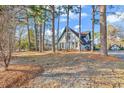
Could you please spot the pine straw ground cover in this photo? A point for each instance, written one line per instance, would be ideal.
(74, 69)
(16, 75)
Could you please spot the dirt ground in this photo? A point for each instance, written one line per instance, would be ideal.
(73, 70)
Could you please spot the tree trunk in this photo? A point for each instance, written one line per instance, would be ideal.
(67, 45)
(80, 29)
(8, 57)
(44, 27)
(58, 29)
(6, 65)
(14, 39)
(53, 30)
(103, 30)
(20, 43)
(36, 43)
(93, 20)
(67, 16)
(41, 39)
(29, 41)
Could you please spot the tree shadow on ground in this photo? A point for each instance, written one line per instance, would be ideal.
(17, 75)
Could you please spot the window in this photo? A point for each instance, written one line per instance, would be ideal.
(72, 44)
(62, 45)
(69, 36)
(76, 44)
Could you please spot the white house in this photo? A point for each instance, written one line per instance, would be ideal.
(115, 47)
(73, 40)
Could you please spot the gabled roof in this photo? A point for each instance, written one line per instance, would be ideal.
(83, 35)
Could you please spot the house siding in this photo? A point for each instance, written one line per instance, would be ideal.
(73, 42)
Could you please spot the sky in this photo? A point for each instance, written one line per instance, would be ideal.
(74, 20)
(87, 16)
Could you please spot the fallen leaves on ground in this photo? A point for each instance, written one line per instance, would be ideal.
(101, 58)
(18, 74)
(73, 69)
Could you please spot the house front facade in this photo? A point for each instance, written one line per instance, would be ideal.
(71, 42)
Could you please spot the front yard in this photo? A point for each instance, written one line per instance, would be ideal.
(74, 70)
